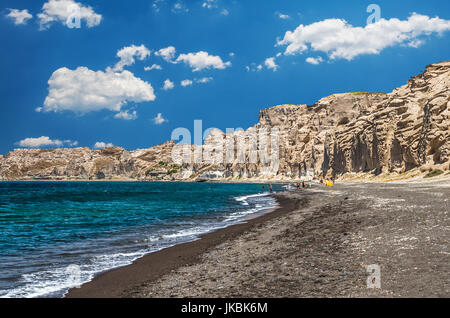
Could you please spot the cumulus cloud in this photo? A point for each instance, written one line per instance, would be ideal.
(340, 40)
(197, 61)
(101, 145)
(153, 67)
(65, 12)
(202, 60)
(83, 90)
(45, 141)
(168, 85)
(225, 12)
(126, 115)
(168, 53)
(186, 82)
(19, 16)
(314, 60)
(159, 119)
(270, 64)
(128, 54)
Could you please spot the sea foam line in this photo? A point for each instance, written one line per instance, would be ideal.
(58, 282)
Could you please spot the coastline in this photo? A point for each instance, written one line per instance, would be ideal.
(347, 178)
(318, 243)
(119, 282)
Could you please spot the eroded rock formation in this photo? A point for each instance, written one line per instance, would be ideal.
(342, 133)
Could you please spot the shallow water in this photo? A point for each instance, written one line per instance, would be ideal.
(57, 235)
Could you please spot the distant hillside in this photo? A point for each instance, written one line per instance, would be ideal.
(339, 136)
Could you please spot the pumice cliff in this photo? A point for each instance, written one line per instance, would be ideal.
(405, 132)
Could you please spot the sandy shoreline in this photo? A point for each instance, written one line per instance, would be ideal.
(315, 245)
(120, 282)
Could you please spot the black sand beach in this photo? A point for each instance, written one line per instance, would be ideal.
(316, 244)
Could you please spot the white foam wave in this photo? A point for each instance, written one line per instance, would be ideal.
(56, 282)
(244, 199)
(52, 283)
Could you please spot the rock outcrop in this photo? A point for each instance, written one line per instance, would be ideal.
(85, 163)
(340, 134)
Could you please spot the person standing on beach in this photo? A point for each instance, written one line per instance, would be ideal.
(270, 188)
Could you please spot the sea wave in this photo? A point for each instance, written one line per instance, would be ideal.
(56, 281)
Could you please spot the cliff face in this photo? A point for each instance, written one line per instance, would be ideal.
(340, 134)
(84, 163)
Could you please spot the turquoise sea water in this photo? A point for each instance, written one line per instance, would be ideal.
(56, 235)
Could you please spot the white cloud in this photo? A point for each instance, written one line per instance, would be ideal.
(156, 5)
(232, 54)
(340, 40)
(270, 63)
(209, 4)
(416, 43)
(153, 67)
(225, 12)
(83, 90)
(126, 115)
(159, 119)
(204, 80)
(71, 143)
(186, 82)
(179, 7)
(67, 11)
(19, 16)
(254, 67)
(168, 53)
(314, 60)
(197, 61)
(45, 141)
(101, 144)
(168, 85)
(282, 16)
(202, 60)
(127, 56)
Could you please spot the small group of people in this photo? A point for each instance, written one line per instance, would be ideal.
(303, 185)
(270, 188)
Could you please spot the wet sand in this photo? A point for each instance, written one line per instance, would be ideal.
(316, 244)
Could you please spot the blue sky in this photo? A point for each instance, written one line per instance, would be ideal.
(48, 69)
